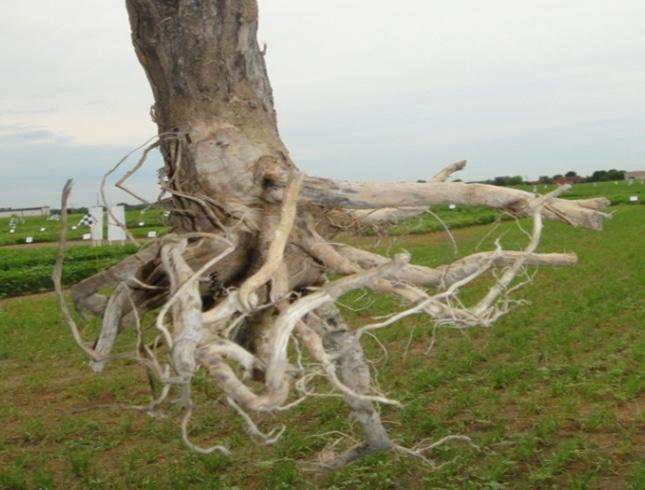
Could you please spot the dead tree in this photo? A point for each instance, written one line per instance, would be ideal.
(239, 287)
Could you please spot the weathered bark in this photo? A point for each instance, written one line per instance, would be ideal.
(243, 272)
(354, 372)
(369, 195)
(211, 90)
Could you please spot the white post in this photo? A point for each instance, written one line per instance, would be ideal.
(96, 228)
(115, 232)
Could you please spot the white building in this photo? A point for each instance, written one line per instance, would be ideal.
(24, 212)
(638, 174)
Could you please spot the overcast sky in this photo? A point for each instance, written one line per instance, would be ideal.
(364, 89)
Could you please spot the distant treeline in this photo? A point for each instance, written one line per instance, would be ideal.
(569, 177)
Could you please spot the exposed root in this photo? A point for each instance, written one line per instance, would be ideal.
(57, 276)
(262, 320)
(443, 175)
(240, 288)
(352, 454)
(376, 195)
(252, 429)
(419, 450)
(444, 276)
(278, 242)
(148, 147)
(198, 449)
(315, 346)
(111, 321)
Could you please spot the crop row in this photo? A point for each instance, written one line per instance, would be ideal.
(18, 258)
(29, 271)
(41, 229)
(443, 217)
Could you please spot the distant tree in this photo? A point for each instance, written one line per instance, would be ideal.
(545, 179)
(598, 176)
(73, 211)
(570, 173)
(516, 180)
(614, 174)
(604, 175)
(505, 180)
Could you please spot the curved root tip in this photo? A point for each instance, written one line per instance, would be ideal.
(97, 366)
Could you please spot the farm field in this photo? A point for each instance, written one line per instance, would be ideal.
(554, 393)
(29, 270)
(43, 230)
(23, 269)
(618, 192)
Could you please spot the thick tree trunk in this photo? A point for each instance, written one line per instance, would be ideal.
(242, 275)
(212, 92)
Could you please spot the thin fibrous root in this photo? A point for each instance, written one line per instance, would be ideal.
(418, 450)
(244, 339)
(184, 435)
(57, 276)
(315, 346)
(277, 374)
(252, 429)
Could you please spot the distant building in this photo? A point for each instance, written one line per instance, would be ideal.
(24, 212)
(560, 180)
(635, 175)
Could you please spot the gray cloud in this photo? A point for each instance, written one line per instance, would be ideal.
(33, 174)
(20, 136)
(363, 89)
(25, 112)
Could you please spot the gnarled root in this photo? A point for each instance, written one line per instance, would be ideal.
(345, 350)
(242, 301)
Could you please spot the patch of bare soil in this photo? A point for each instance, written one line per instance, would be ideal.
(23, 246)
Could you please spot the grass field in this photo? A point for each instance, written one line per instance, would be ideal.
(26, 270)
(554, 393)
(618, 192)
(152, 220)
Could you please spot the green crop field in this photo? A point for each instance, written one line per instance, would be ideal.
(554, 393)
(618, 192)
(26, 270)
(44, 230)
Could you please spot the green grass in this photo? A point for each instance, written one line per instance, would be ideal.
(31, 227)
(24, 257)
(617, 192)
(553, 393)
(27, 270)
(443, 217)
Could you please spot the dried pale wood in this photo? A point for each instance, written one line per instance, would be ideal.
(370, 195)
(448, 274)
(448, 171)
(243, 273)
